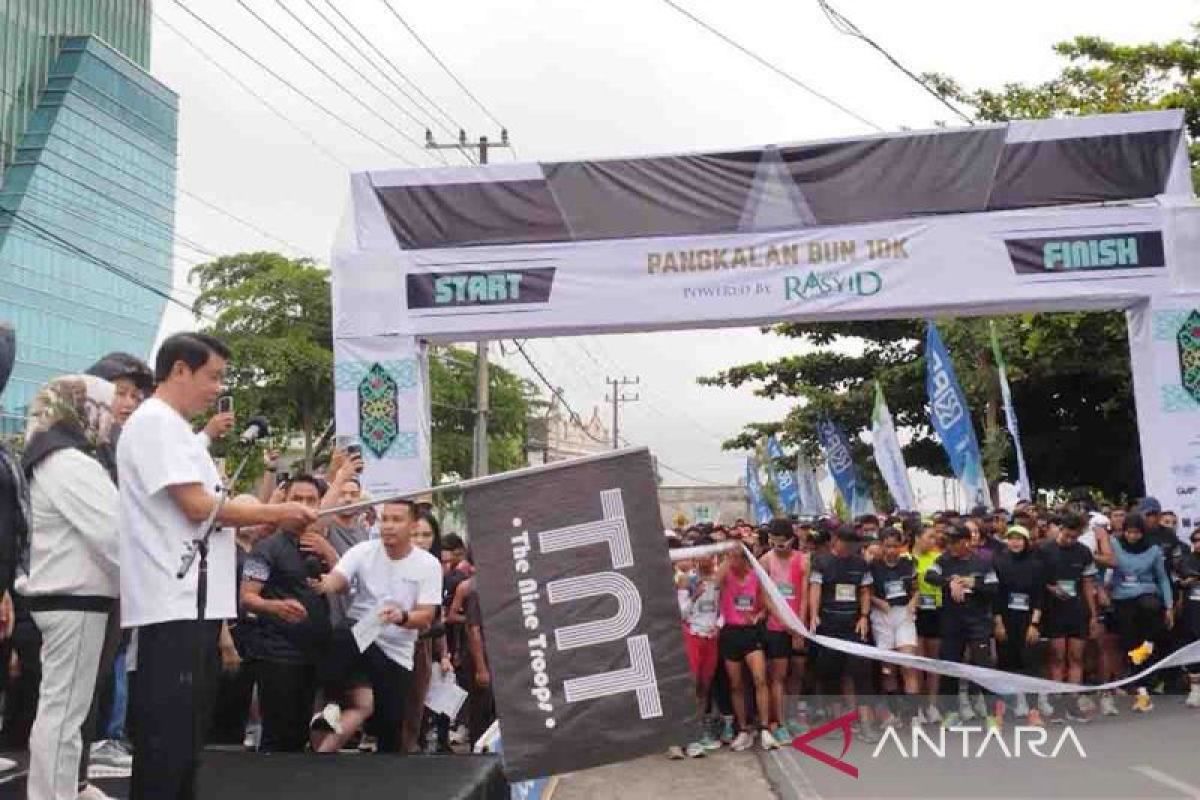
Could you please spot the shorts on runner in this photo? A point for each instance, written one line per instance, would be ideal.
(893, 628)
(735, 642)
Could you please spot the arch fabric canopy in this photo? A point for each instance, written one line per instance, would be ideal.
(1066, 214)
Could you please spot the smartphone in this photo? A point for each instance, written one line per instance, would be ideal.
(355, 451)
(283, 478)
(225, 404)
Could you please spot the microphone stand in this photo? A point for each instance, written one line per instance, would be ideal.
(199, 545)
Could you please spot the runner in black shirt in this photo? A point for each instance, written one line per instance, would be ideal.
(968, 586)
(1069, 613)
(293, 625)
(1018, 612)
(839, 602)
(1187, 611)
(893, 614)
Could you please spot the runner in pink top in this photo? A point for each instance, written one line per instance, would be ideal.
(788, 569)
(740, 644)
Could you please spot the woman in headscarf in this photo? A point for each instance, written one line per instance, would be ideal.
(72, 575)
(1142, 599)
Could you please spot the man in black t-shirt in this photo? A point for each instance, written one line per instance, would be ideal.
(839, 602)
(1069, 613)
(293, 624)
(968, 585)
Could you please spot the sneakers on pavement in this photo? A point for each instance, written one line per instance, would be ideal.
(767, 740)
(728, 734)
(933, 715)
(782, 736)
(675, 752)
(709, 743)
(1021, 707)
(951, 720)
(109, 753)
(1034, 719)
(695, 750)
(1044, 706)
(1108, 706)
(1193, 698)
(743, 741)
(1142, 702)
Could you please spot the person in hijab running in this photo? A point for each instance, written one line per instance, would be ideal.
(1142, 599)
(73, 574)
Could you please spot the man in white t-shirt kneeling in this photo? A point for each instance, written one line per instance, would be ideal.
(399, 586)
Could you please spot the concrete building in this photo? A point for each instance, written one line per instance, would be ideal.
(555, 437)
(722, 504)
(87, 189)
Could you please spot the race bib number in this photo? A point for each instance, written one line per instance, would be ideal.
(1194, 594)
(1018, 602)
(743, 602)
(706, 607)
(787, 591)
(1130, 579)
(1069, 588)
(894, 589)
(845, 592)
(928, 602)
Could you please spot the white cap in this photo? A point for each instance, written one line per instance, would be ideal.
(1100, 521)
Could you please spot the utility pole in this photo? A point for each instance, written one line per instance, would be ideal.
(479, 459)
(618, 397)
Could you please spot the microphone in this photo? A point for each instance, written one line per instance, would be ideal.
(255, 429)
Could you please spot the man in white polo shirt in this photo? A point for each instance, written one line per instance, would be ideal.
(398, 588)
(169, 485)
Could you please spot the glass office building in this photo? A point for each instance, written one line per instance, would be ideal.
(87, 198)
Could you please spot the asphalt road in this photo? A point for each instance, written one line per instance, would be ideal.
(1127, 758)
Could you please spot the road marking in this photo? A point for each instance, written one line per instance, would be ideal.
(794, 774)
(1166, 780)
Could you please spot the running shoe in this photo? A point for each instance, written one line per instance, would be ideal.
(743, 741)
(918, 719)
(799, 726)
(368, 744)
(995, 723)
(1108, 705)
(1142, 702)
(695, 750)
(1021, 707)
(965, 712)
(1076, 714)
(868, 733)
(253, 736)
(1044, 706)
(933, 715)
(709, 743)
(1087, 706)
(728, 734)
(782, 736)
(951, 720)
(1034, 719)
(1193, 698)
(109, 753)
(981, 709)
(767, 740)
(675, 752)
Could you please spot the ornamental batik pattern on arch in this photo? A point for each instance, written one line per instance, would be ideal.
(377, 406)
(1188, 340)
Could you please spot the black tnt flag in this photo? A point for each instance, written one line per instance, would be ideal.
(580, 617)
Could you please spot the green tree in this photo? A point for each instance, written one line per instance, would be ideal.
(275, 314)
(1069, 372)
(512, 399)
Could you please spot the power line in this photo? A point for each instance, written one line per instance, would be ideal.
(290, 85)
(777, 70)
(442, 64)
(355, 69)
(558, 393)
(233, 77)
(436, 121)
(845, 26)
(324, 72)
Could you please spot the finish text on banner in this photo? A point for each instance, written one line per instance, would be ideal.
(582, 622)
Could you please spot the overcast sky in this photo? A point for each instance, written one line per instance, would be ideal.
(576, 78)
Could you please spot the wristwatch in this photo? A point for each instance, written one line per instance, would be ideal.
(404, 619)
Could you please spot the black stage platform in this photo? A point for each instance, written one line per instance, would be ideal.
(255, 776)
